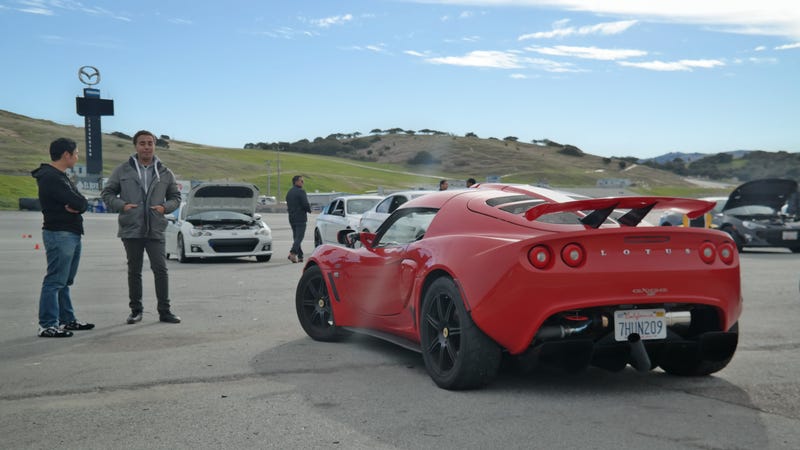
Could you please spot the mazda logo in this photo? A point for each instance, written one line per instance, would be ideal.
(89, 75)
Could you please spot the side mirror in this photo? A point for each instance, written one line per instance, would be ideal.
(171, 218)
(257, 217)
(348, 238)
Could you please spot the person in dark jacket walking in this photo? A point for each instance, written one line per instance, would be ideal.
(142, 190)
(297, 204)
(62, 206)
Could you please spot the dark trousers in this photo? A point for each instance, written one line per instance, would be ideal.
(134, 249)
(298, 231)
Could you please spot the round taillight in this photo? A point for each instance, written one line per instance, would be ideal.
(726, 252)
(573, 255)
(708, 253)
(540, 256)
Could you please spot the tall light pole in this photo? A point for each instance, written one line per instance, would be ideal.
(269, 176)
(278, 198)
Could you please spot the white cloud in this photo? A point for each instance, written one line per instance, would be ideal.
(333, 20)
(760, 48)
(466, 15)
(179, 21)
(788, 46)
(763, 17)
(497, 60)
(481, 58)
(603, 54)
(37, 11)
(674, 66)
(605, 28)
(518, 76)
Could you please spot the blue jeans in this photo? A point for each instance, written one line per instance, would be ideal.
(63, 254)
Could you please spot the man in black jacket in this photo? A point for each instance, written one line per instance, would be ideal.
(62, 206)
(297, 204)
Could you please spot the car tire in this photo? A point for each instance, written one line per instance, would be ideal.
(735, 236)
(181, 250)
(317, 238)
(314, 311)
(457, 354)
(263, 258)
(694, 366)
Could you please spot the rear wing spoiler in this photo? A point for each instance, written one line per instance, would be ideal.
(639, 207)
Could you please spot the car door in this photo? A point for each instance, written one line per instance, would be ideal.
(373, 218)
(382, 281)
(333, 221)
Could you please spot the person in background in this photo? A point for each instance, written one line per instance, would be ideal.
(297, 204)
(142, 190)
(470, 182)
(62, 206)
(443, 185)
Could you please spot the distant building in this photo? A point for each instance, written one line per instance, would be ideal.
(613, 182)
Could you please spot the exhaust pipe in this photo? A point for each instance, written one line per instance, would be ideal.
(639, 359)
(561, 331)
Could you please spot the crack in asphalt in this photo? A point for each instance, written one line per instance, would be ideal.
(192, 380)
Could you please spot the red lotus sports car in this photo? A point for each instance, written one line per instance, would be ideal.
(467, 276)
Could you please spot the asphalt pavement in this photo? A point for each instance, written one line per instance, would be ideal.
(239, 372)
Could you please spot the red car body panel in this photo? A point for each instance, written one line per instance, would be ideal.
(486, 251)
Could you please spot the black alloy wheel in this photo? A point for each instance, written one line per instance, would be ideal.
(457, 354)
(313, 306)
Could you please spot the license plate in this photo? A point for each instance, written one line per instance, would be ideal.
(790, 235)
(647, 323)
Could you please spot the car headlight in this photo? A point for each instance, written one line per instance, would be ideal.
(753, 225)
(198, 232)
(262, 232)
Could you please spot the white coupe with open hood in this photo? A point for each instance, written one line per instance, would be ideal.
(219, 220)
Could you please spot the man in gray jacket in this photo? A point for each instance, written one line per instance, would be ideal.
(143, 190)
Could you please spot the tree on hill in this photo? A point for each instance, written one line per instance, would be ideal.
(423, 157)
(471, 135)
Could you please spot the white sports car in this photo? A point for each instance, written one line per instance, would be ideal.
(343, 213)
(374, 217)
(219, 220)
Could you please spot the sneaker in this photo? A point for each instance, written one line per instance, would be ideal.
(54, 332)
(292, 257)
(76, 325)
(135, 317)
(169, 317)
(299, 259)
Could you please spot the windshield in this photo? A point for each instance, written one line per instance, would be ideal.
(358, 206)
(751, 210)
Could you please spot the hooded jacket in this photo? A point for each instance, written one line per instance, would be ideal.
(125, 186)
(55, 192)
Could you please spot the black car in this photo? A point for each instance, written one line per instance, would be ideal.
(752, 215)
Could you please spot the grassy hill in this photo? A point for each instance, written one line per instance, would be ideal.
(383, 163)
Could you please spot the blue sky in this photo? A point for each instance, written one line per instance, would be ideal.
(613, 77)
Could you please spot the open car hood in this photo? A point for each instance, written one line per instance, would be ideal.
(771, 192)
(238, 197)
